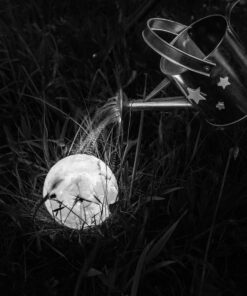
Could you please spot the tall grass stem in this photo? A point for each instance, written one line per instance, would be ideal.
(211, 232)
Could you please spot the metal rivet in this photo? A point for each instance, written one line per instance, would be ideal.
(207, 68)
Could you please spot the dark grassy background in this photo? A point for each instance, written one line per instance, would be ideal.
(183, 230)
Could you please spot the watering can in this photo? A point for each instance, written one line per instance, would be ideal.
(207, 63)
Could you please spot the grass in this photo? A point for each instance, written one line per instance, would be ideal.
(179, 226)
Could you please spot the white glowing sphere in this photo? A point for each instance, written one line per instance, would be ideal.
(78, 190)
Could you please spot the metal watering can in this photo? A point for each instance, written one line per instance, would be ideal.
(207, 62)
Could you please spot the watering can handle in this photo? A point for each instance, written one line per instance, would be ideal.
(170, 52)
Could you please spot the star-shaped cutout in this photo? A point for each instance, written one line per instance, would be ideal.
(195, 95)
(220, 106)
(224, 82)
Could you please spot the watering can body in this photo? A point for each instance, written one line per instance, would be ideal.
(207, 62)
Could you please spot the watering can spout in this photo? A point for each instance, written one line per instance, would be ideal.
(158, 104)
(123, 105)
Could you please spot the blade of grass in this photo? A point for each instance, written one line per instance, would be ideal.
(160, 244)
(138, 146)
(138, 272)
(160, 265)
(150, 252)
(212, 227)
(55, 108)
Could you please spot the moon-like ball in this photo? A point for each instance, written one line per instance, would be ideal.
(78, 190)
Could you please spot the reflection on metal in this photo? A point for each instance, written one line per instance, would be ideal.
(160, 104)
(205, 58)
